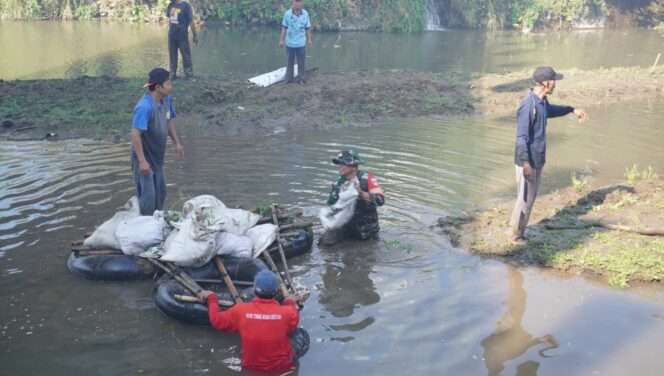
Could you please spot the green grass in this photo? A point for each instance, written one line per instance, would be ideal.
(397, 245)
(633, 174)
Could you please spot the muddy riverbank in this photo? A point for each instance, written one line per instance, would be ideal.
(100, 107)
(613, 232)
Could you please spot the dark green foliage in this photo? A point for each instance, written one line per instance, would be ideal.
(379, 15)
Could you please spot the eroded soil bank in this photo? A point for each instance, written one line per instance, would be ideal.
(101, 107)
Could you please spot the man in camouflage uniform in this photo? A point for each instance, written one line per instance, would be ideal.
(364, 223)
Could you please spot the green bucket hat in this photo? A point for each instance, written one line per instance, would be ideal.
(347, 158)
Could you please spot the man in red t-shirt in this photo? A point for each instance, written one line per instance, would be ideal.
(266, 327)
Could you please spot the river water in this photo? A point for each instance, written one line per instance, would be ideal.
(408, 303)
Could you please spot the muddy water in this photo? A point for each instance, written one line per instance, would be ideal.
(408, 303)
(53, 49)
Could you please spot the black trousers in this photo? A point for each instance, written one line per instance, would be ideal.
(181, 44)
(299, 53)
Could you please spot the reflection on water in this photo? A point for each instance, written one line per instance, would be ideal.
(70, 49)
(347, 281)
(509, 341)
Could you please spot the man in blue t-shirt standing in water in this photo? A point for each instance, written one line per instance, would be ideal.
(296, 35)
(153, 122)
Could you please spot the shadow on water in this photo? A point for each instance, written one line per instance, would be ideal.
(347, 282)
(510, 340)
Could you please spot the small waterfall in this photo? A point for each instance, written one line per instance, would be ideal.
(432, 16)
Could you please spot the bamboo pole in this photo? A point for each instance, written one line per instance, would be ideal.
(194, 299)
(289, 279)
(227, 280)
(273, 267)
(659, 55)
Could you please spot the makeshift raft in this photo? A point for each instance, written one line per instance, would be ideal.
(113, 265)
(297, 238)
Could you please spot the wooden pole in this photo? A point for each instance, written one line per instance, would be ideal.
(659, 55)
(186, 281)
(194, 299)
(281, 249)
(273, 266)
(227, 280)
(296, 226)
(95, 252)
(221, 281)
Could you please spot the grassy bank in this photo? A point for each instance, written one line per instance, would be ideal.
(614, 232)
(101, 107)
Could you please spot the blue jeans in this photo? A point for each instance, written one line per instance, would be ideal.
(150, 189)
(299, 53)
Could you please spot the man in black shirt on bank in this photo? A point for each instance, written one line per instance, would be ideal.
(180, 19)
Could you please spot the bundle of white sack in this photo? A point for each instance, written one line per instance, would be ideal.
(207, 228)
(336, 216)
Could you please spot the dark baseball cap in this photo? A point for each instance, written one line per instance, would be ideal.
(157, 76)
(542, 74)
(347, 158)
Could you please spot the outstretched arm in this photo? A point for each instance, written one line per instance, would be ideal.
(221, 320)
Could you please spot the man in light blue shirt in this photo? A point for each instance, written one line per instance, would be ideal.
(153, 122)
(296, 35)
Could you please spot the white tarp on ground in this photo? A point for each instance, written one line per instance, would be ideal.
(137, 234)
(104, 235)
(271, 78)
(335, 216)
(262, 237)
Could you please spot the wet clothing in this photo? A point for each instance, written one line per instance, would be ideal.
(532, 116)
(150, 189)
(364, 224)
(264, 326)
(527, 193)
(296, 25)
(299, 54)
(151, 119)
(180, 16)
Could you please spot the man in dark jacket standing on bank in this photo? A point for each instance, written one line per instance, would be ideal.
(530, 151)
(180, 19)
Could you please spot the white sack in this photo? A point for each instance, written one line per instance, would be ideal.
(229, 244)
(137, 234)
(214, 216)
(262, 236)
(104, 235)
(184, 249)
(336, 216)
